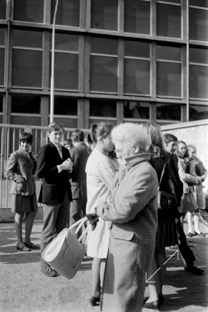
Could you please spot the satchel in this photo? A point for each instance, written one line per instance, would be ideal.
(65, 252)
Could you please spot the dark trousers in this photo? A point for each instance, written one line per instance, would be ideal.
(55, 219)
(184, 249)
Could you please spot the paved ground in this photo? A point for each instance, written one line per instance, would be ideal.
(24, 289)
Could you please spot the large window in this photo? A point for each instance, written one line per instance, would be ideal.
(3, 9)
(25, 104)
(29, 10)
(65, 106)
(136, 67)
(103, 65)
(136, 110)
(169, 19)
(27, 58)
(68, 12)
(102, 108)
(104, 14)
(168, 112)
(2, 52)
(169, 75)
(198, 73)
(66, 61)
(137, 16)
(198, 20)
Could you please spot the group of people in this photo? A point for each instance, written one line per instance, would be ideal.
(134, 184)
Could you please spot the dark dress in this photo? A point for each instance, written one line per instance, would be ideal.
(166, 232)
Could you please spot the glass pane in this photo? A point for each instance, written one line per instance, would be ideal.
(168, 111)
(2, 36)
(65, 106)
(66, 71)
(103, 74)
(29, 10)
(170, 1)
(66, 42)
(104, 46)
(137, 16)
(3, 9)
(27, 104)
(136, 110)
(168, 79)
(168, 20)
(199, 3)
(102, 108)
(137, 48)
(104, 14)
(2, 66)
(67, 12)
(27, 38)
(197, 112)
(168, 53)
(136, 76)
(198, 80)
(1, 103)
(198, 24)
(198, 56)
(26, 68)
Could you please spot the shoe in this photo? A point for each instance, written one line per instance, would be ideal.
(94, 301)
(152, 305)
(194, 270)
(200, 234)
(49, 272)
(190, 234)
(23, 248)
(32, 246)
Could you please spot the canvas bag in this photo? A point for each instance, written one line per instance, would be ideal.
(65, 252)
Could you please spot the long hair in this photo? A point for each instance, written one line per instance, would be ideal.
(100, 130)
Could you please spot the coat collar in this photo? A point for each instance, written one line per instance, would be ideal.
(23, 153)
(136, 159)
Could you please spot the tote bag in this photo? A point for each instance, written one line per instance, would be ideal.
(65, 252)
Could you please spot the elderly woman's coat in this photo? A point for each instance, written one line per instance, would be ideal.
(133, 213)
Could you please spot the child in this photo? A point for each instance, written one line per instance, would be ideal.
(196, 168)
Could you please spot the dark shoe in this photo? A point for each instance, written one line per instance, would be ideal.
(152, 304)
(190, 234)
(94, 301)
(32, 246)
(194, 270)
(200, 234)
(22, 248)
(49, 272)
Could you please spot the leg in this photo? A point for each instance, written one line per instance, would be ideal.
(190, 222)
(30, 217)
(96, 280)
(18, 228)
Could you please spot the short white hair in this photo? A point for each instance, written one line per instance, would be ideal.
(132, 134)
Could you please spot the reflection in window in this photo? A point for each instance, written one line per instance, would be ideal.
(26, 104)
(104, 14)
(198, 73)
(29, 10)
(137, 16)
(136, 110)
(198, 24)
(168, 112)
(65, 106)
(3, 9)
(197, 112)
(68, 12)
(103, 108)
(169, 73)
(168, 20)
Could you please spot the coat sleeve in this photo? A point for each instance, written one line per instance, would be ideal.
(44, 169)
(11, 171)
(186, 177)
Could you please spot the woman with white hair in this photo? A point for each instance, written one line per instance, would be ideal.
(133, 212)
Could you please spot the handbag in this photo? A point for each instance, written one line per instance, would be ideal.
(65, 252)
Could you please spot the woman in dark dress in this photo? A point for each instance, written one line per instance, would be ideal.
(166, 233)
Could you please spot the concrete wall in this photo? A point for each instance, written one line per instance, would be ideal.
(195, 133)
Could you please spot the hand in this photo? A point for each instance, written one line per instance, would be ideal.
(67, 165)
(93, 219)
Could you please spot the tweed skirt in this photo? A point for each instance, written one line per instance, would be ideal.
(21, 204)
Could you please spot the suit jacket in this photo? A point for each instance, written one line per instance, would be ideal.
(54, 185)
(79, 155)
(20, 169)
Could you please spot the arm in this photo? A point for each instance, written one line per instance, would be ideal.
(11, 171)
(186, 177)
(106, 173)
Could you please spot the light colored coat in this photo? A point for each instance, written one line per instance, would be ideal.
(133, 213)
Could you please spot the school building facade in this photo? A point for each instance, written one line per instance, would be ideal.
(115, 61)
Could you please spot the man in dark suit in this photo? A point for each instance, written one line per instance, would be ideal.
(79, 154)
(53, 168)
(171, 142)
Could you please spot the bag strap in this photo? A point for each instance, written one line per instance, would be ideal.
(79, 225)
(163, 170)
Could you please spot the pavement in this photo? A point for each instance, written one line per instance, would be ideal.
(24, 289)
